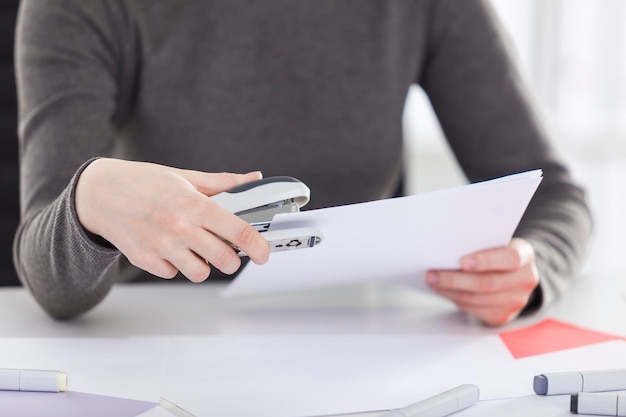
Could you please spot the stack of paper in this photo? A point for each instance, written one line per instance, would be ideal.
(394, 240)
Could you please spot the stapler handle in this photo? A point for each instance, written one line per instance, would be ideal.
(264, 196)
(263, 192)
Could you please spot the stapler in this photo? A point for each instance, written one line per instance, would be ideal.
(258, 201)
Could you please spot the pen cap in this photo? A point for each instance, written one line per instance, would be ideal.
(607, 380)
(48, 381)
(596, 404)
(62, 381)
(563, 383)
(10, 379)
(468, 395)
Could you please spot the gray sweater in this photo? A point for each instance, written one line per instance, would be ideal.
(310, 89)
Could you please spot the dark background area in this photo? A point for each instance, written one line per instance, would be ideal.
(9, 183)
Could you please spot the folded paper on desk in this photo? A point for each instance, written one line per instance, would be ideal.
(394, 240)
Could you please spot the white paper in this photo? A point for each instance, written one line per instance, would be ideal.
(289, 376)
(394, 240)
(300, 376)
(126, 368)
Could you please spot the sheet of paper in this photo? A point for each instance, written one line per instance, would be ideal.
(394, 240)
(300, 376)
(551, 336)
(69, 404)
(289, 376)
(126, 368)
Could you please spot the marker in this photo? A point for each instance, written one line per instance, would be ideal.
(580, 381)
(440, 405)
(32, 380)
(603, 404)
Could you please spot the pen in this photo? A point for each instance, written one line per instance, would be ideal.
(32, 380)
(440, 405)
(603, 404)
(580, 381)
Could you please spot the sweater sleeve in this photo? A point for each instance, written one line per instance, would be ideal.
(493, 129)
(67, 89)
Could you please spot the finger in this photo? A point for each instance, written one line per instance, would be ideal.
(190, 265)
(181, 247)
(213, 183)
(192, 248)
(238, 232)
(478, 282)
(492, 309)
(214, 250)
(518, 253)
(155, 266)
(509, 300)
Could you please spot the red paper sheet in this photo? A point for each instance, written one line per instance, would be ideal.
(550, 336)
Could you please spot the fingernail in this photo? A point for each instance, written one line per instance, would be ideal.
(468, 263)
(258, 174)
(432, 278)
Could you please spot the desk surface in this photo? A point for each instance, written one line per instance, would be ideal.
(165, 307)
(171, 308)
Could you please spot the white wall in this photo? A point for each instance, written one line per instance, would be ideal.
(573, 56)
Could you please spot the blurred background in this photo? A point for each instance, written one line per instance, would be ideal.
(572, 54)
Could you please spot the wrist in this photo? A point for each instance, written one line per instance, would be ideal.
(84, 198)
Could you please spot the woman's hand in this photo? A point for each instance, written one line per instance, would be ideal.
(493, 285)
(162, 218)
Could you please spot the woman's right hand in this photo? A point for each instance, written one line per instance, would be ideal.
(162, 218)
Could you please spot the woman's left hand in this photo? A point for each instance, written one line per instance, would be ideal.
(493, 285)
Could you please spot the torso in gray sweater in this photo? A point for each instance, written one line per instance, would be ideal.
(313, 90)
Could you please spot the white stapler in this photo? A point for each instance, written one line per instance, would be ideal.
(258, 201)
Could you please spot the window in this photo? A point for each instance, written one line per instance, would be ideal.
(572, 53)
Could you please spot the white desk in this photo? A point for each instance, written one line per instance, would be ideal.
(167, 308)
